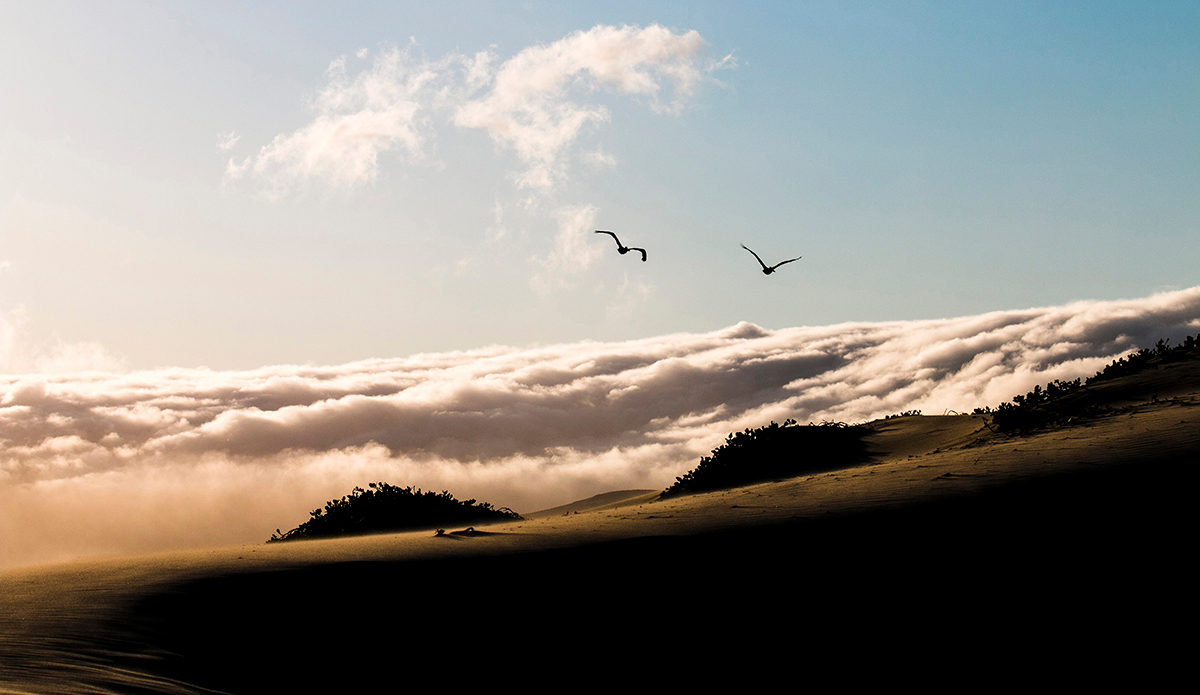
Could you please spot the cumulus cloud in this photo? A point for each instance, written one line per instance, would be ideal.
(358, 118)
(529, 106)
(535, 104)
(526, 428)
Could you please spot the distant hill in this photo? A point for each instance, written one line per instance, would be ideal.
(1144, 375)
(593, 502)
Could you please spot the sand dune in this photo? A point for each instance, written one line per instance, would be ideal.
(1074, 536)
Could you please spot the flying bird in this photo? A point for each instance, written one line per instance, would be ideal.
(768, 269)
(621, 248)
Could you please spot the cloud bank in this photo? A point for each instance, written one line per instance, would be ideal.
(96, 461)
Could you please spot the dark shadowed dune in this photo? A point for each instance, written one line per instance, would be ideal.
(955, 551)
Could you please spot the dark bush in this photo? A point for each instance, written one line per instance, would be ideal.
(384, 508)
(775, 451)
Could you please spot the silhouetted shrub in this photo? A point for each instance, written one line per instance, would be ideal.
(1059, 404)
(384, 508)
(1161, 353)
(1038, 409)
(775, 451)
(906, 413)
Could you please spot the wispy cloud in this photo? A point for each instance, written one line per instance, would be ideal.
(178, 457)
(20, 354)
(574, 249)
(628, 295)
(598, 158)
(226, 141)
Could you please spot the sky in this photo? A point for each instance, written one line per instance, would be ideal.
(264, 250)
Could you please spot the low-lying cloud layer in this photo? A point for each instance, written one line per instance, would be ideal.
(96, 461)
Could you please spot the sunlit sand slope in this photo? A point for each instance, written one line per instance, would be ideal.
(1077, 537)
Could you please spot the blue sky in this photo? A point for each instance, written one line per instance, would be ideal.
(928, 160)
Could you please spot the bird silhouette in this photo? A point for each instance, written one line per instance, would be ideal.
(621, 248)
(768, 269)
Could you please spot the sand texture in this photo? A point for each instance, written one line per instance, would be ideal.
(952, 542)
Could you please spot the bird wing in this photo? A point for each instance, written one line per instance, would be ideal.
(760, 262)
(614, 236)
(634, 248)
(787, 261)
